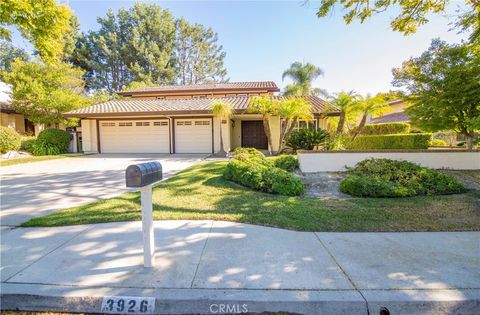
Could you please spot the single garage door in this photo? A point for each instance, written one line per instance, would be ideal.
(135, 136)
(193, 135)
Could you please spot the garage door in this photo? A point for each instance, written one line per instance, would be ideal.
(135, 136)
(193, 135)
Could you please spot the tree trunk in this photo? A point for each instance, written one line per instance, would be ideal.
(360, 126)
(469, 139)
(288, 131)
(266, 127)
(221, 152)
(341, 122)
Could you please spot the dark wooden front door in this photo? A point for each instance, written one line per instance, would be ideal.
(253, 135)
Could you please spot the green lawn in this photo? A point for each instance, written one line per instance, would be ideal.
(30, 159)
(200, 192)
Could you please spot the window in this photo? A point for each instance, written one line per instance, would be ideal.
(160, 97)
(242, 95)
(160, 123)
(108, 124)
(312, 124)
(202, 123)
(187, 123)
(142, 123)
(125, 124)
(231, 95)
(199, 96)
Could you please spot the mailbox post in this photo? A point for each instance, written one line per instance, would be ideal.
(143, 176)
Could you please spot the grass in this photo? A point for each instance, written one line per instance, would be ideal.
(30, 159)
(201, 193)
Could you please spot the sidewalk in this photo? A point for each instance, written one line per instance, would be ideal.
(205, 263)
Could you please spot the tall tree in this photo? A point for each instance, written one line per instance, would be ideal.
(8, 54)
(372, 106)
(302, 76)
(44, 23)
(412, 13)
(346, 102)
(43, 92)
(443, 87)
(223, 111)
(198, 56)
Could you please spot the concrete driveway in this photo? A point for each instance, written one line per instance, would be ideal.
(36, 189)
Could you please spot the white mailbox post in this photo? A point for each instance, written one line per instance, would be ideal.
(143, 176)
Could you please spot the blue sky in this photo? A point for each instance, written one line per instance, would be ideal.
(262, 39)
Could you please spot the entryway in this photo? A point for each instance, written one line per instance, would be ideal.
(253, 135)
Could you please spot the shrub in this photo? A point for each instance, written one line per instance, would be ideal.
(253, 170)
(9, 139)
(398, 141)
(51, 142)
(385, 128)
(391, 178)
(288, 163)
(438, 143)
(306, 138)
(337, 142)
(27, 144)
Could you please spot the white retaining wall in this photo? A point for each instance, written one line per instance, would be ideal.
(334, 161)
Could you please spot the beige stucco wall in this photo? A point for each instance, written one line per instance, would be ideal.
(338, 161)
(17, 119)
(89, 136)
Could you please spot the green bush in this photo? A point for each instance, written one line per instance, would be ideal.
(288, 163)
(51, 142)
(397, 141)
(337, 142)
(250, 169)
(385, 128)
(306, 138)
(9, 139)
(27, 144)
(391, 178)
(438, 143)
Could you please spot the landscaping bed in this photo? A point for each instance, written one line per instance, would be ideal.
(201, 192)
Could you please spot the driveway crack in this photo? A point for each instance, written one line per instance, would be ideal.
(201, 255)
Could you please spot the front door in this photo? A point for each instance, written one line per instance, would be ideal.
(253, 135)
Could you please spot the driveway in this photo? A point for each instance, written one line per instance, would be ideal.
(39, 188)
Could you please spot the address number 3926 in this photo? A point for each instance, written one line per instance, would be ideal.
(128, 305)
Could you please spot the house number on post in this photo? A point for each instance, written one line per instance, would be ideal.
(143, 176)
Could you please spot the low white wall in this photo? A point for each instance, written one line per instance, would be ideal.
(311, 162)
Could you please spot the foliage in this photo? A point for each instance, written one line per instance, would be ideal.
(337, 142)
(250, 168)
(391, 178)
(287, 163)
(450, 137)
(51, 142)
(198, 56)
(443, 87)
(43, 92)
(9, 139)
(385, 128)
(438, 143)
(303, 76)
(408, 141)
(8, 54)
(27, 144)
(223, 111)
(412, 13)
(370, 106)
(307, 138)
(44, 23)
(346, 103)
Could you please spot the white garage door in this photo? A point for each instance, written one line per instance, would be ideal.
(134, 136)
(193, 135)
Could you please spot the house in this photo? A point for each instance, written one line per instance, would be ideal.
(9, 117)
(395, 115)
(178, 119)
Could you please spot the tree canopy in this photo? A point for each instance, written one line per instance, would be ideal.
(8, 54)
(44, 23)
(302, 75)
(443, 86)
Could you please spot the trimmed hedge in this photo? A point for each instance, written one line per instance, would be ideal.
(288, 163)
(253, 170)
(51, 142)
(396, 141)
(9, 139)
(391, 178)
(385, 128)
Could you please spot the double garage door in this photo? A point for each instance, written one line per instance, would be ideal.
(153, 136)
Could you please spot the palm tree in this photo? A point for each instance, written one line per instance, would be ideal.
(370, 106)
(346, 102)
(222, 111)
(303, 76)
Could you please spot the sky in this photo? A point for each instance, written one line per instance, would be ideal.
(262, 38)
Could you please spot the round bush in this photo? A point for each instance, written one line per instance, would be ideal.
(306, 138)
(9, 139)
(288, 163)
(391, 178)
(51, 142)
(27, 144)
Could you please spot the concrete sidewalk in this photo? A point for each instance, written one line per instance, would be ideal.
(205, 263)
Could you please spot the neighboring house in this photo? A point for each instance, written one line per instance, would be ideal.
(8, 116)
(395, 115)
(178, 119)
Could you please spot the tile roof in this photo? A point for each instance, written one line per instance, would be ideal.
(258, 85)
(394, 117)
(178, 106)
